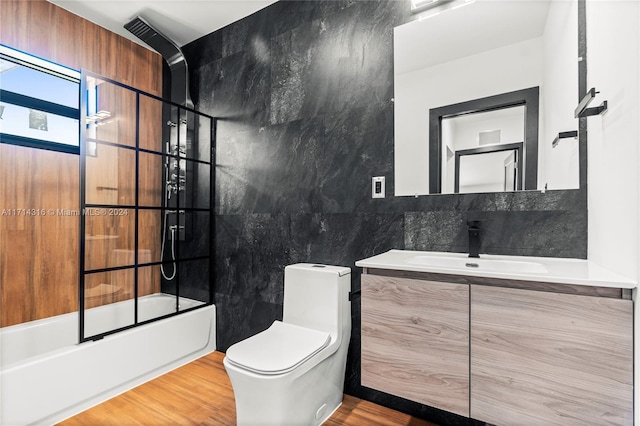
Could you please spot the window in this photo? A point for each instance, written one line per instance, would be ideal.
(39, 102)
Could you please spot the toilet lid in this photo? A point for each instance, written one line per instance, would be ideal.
(279, 348)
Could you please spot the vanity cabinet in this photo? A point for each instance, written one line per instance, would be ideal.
(415, 340)
(505, 352)
(548, 358)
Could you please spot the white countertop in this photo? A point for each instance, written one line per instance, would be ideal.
(542, 269)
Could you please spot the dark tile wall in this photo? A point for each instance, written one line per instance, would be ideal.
(303, 90)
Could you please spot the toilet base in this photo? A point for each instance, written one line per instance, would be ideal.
(289, 399)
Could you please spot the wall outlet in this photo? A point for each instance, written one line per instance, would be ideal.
(377, 187)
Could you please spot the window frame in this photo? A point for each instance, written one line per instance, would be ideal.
(24, 101)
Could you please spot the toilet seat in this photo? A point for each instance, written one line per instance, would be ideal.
(277, 350)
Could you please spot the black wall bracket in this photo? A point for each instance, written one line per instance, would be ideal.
(564, 135)
(583, 111)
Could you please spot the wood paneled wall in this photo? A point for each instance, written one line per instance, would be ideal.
(39, 254)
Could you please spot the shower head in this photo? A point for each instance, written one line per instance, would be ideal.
(171, 54)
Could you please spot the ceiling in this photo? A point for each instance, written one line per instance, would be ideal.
(181, 20)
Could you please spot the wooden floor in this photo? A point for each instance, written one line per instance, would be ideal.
(200, 393)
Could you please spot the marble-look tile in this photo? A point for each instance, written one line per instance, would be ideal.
(287, 15)
(193, 279)
(358, 145)
(251, 253)
(342, 239)
(435, 231)
(302, 91)
(252, 250)
(197, 238)
(524, 233)
(318, 165)
(271, 169)
(564, 200)
(534, 233)
(234, 88)
(203, 51)
(332, 64)
(238, 318)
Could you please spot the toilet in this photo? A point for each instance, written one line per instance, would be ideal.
(293, 372)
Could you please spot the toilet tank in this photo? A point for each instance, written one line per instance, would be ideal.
(315, 296)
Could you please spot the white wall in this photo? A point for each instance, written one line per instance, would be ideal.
(560, 166)
(613, 52)
(466, 128)
(514, 67)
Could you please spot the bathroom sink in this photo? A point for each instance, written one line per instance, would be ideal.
(468, 263)
(541, 269)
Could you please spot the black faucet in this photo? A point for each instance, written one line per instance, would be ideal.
(474, 238)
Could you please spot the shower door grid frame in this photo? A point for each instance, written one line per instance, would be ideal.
(84, 206)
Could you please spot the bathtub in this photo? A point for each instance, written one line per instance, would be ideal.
(46, 376)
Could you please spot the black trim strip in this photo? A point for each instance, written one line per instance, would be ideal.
(142, 265)
(148, 95)
(177, 234)
(128, 327)
(582, 90)
(212, 218)
(39, 104)
(146, 151)
(131, 207)
(38, 143)
(82, 132)
(136, 214)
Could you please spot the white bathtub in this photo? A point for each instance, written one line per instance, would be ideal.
(46, 376)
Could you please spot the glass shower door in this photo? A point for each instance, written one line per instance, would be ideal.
(146, 208)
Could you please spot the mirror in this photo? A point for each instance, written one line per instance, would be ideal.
(481, 126)
(451, 63)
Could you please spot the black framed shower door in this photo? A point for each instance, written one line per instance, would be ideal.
(146, 208)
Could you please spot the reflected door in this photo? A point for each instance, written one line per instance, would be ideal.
(489, 169)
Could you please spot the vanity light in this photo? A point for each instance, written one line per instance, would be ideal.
(438, 6)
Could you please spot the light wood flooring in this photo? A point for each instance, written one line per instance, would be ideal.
(200, 393)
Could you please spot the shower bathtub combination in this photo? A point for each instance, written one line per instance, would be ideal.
(144, 292)
(47, 376)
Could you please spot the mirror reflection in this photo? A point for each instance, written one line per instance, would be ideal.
(485, 49)
(483, 151)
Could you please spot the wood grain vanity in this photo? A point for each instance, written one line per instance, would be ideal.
(501, 350)
(415, 340)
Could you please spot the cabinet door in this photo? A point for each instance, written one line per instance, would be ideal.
(415, 340)
(542, 358)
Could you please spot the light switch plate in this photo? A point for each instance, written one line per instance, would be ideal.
(377, 187)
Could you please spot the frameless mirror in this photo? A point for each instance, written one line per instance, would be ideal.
(450, 60)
